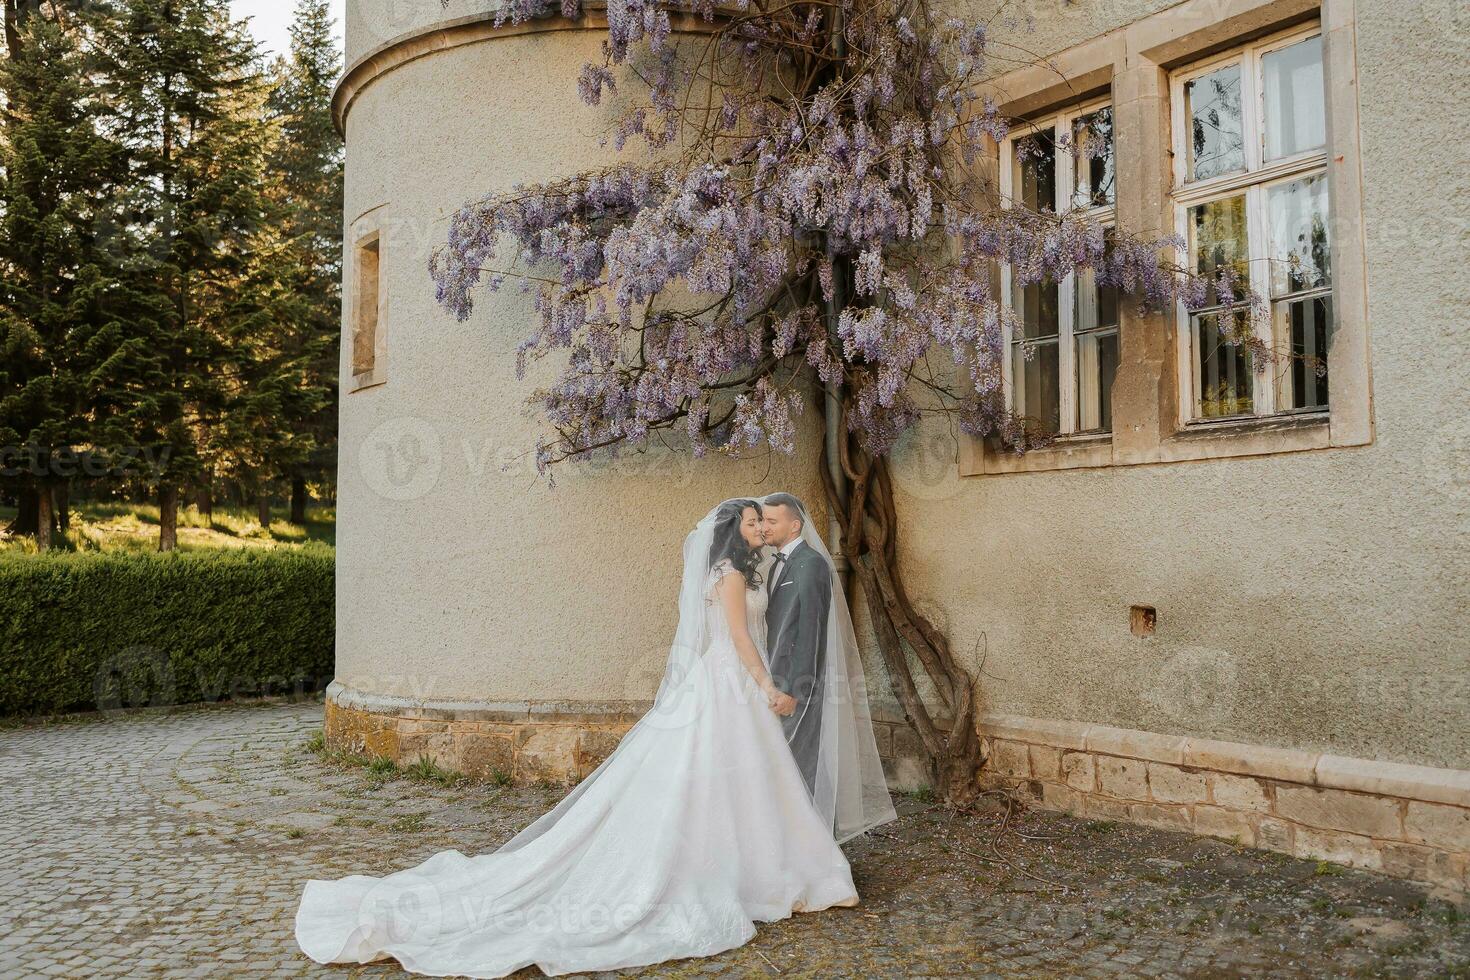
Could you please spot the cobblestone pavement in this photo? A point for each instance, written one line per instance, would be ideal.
(177, 844)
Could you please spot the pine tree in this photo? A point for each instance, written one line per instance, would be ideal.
(305, 189)
(185, 88)
(57, 276)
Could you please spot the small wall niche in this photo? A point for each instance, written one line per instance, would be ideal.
(1142, 620)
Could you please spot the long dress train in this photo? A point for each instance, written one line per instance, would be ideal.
(692, 834)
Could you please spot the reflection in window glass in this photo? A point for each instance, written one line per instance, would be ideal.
(1034, 365)
(1300, 250)
(1217, 237)
(1295, 117)
(1096, 332)
(1092, 149)
(1302, 329)
(1222, 369)
(1036, 171)
(1212, 106)
(1039, 309)
(1034, 374)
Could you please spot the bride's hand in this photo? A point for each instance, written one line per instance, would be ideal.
(781, 703)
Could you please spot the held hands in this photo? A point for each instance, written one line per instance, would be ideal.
(780, 702)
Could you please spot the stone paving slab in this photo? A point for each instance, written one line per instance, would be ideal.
(176, 844)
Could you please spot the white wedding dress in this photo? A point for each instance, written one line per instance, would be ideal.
(699, 826)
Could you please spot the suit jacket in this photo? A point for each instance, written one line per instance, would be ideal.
(796, 641)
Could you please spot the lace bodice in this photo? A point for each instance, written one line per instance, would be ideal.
(755, 605)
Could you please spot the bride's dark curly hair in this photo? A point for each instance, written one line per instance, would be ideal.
(730, 544)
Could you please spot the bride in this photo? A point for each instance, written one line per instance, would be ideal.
(697, 826)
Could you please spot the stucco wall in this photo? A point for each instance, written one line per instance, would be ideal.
(458, 579)
(1311, 600)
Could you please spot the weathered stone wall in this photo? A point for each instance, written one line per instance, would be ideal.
(560, 742)
(1409, 821)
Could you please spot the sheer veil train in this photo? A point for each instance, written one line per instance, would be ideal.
(851, 792)
(699, 824)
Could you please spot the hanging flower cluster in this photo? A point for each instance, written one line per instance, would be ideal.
(826, 219)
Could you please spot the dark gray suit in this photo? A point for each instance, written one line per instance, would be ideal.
(796, 638)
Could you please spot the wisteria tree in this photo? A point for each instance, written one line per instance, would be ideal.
(815, 183)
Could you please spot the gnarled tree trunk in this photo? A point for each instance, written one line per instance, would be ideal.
(865, 508)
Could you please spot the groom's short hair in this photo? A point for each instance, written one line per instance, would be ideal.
(787, 500)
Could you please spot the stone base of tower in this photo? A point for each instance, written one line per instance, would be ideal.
(531, 741)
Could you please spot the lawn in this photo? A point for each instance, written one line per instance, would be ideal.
(127, 527)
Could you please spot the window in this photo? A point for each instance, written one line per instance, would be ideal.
(366, 313)
(1063, 348)
(1250, 189)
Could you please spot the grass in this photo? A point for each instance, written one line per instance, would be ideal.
(425, 770)
(410, 823)
(121, 526)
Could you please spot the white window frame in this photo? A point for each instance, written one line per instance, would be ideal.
(1059, 122)
(1255, 182)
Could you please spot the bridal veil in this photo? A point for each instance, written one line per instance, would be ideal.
(850, 790)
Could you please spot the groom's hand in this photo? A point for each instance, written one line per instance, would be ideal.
(783, 704)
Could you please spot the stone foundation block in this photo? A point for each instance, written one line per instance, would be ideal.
(1239, 792)
(1334, 809)
(1009, 758)
(1221, 822)
(1350, 849)
(1079, 771)
(1126, 779)
(1170, 784)
(1442, 826)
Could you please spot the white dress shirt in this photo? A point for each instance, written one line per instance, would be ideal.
(786, 550)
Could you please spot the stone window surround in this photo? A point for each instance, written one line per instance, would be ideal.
(1133, 65)
(365, 235)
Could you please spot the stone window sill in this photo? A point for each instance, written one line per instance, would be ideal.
(1194, 441)
(369, 379)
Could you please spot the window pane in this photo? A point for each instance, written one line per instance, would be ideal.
(1097, 364)
(1295, 119)
(1212, 108)
(1097, 306)
(1300, 253)
(1092, 142)
(365, 320)
(1036, 171)
(1222, 369)
(1035, 381)
(1217, 237)
(1302, 328)
(1038, 307)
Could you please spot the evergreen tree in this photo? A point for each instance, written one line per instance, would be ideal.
(305, 189)
(185, 89)
(58, 172)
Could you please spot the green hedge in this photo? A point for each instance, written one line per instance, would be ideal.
(100, 631)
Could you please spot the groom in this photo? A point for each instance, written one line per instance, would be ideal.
(800, 588)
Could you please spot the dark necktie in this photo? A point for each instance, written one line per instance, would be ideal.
(775, 570)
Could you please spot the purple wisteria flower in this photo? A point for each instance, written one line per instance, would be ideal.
(833, 231)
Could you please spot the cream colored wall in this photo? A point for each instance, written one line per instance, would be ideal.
(1310, 600)
(1316, 600)
(456, 579)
